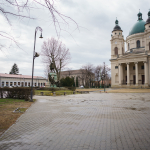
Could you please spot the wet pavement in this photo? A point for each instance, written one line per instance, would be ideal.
(95, 121)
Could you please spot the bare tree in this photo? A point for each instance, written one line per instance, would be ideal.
(20, 9)
(89, 75)
(105, 73)
(55, 51)
(82, 76)
(98, 72)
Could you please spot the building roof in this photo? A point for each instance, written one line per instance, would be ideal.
(139, 26)
(19, 76)
(117, 27)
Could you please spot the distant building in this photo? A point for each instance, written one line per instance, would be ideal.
(80, 76)
(131, 67)
(9, 80)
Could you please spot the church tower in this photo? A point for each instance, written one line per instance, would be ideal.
(117, 42)
(147, 35)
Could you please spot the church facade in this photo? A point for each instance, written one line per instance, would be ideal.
(131, 68)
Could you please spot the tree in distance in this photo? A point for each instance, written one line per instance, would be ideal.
(55, 51)
(25, 9)
(14, 69)
(68, 82)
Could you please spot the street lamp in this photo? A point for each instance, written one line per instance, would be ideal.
(35, 54)
(104, 81)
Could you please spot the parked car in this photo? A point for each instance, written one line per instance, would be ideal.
(81, 86)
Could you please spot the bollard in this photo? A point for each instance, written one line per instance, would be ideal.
(64, 93)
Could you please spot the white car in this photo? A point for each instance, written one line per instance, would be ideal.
(81, 86)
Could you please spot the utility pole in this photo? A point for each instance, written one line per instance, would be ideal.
(104, 76)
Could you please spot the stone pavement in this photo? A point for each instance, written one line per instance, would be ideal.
(95, 121)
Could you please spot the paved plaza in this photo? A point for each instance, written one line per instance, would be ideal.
(95, 121)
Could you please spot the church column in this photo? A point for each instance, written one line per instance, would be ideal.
(146, 72)
(120, 74)
(128, 74)
(136, 73)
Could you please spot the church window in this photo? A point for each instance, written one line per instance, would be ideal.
(116, 50)
(116, 67)
(115, 33)
(138, 44)
(128, 46)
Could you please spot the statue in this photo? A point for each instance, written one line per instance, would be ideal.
(53, 76)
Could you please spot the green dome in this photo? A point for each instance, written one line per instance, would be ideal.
(139, 26)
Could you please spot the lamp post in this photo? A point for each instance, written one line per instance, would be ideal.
(104, 81)
(35, 54)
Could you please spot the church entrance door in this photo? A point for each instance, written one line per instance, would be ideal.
(143, 79)
(133, 79)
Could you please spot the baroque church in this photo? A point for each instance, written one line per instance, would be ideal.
(131, 68)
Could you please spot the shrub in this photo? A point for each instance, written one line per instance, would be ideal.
(16, 92)
(71, 88)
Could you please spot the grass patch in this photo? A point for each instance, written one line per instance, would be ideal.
(49, 93)
(7, 116)
(90, 89)
(129, 91)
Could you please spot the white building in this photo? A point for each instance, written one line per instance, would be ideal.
(19, 80)
(131, 67)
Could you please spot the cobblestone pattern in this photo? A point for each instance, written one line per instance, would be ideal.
(95, 121)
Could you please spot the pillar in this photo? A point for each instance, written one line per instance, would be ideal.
(128, 74)
(120, 74)
(146, 72)
(136, 73)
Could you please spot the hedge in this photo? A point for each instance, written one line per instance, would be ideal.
(16, 92)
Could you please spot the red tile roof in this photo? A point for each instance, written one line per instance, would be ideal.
(19, 76)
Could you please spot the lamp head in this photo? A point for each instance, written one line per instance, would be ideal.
(41, 36)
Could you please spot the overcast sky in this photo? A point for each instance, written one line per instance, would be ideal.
(88, 44)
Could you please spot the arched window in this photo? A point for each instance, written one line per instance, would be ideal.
(128, 46)
(116, 50)
(138, 44)
(149, 45)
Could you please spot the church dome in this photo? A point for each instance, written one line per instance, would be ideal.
(117, 27)
(139, 26)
